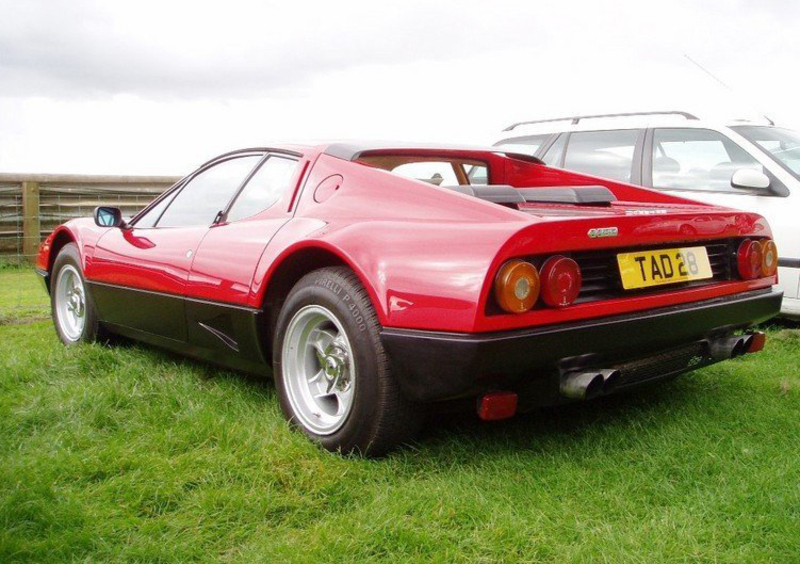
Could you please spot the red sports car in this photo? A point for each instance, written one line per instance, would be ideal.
(381, 280)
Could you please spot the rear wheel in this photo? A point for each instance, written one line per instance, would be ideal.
(72, 308)
(331, 372)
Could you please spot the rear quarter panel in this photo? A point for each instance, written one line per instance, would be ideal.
(421, 252)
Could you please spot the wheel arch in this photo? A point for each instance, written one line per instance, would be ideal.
(289, 268)
(61, 238)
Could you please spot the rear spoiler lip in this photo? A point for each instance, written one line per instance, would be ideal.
(505, 194)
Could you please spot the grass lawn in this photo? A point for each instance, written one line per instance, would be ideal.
(22, 296)
(129, 454)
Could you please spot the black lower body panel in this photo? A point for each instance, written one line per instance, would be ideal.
(434, 366)
(226, 334)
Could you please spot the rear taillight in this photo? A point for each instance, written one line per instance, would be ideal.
(749, 259)
(769, 258)
(517, 286)
(561, 281)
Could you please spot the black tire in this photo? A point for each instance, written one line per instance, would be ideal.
(381, 417)
(92, 331)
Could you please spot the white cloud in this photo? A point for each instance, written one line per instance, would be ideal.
(156, 87)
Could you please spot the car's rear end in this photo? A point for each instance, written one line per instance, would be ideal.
(599, 295)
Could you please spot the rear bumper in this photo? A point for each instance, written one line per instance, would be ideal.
(434, 366)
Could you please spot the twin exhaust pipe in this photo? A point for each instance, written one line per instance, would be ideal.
(590, 384)
(731, 347)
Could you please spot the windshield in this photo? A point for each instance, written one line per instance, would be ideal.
(783, 145)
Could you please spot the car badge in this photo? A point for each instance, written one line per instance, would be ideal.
(598, 232)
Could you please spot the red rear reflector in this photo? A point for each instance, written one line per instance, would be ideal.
(497, 405)
(757, 343)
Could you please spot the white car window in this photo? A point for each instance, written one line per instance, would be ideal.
(697, 159)
(783, 145)
(527, 145)
(608, 154)
(556, 151)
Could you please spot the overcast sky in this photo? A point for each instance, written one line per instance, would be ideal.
(156, 87)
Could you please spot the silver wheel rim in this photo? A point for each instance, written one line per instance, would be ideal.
(318, 370)
(70, 303)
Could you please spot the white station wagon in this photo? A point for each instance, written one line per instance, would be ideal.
(743, 165)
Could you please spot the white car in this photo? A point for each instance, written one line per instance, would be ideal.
(740, 165)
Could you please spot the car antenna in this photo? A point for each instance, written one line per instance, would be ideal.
(717, 79)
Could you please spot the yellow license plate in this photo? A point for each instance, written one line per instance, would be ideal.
(643, 269)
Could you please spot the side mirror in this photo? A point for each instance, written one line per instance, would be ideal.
(106, 216)
(749, 179)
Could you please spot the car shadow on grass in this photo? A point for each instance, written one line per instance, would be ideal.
(554, 429)
(456, 438)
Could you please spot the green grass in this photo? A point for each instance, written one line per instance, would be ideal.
(129, 454)
(22, 296)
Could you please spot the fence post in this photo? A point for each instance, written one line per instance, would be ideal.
(31, 224)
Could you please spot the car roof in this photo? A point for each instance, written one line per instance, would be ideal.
(628, 122)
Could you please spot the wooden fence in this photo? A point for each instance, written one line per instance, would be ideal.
(31, 205)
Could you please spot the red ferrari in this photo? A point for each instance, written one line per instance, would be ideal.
(379, 281)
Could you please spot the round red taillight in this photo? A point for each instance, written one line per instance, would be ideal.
(749, 259)
(769, 258)
(561, 281)
(517, 286)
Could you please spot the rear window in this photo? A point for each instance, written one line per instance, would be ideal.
(439, 172)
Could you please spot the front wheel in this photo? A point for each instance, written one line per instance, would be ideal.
(72, 308)
(331, 372)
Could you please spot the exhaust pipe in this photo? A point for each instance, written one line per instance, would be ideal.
(610, 379)
(730, 347)
(582, 385)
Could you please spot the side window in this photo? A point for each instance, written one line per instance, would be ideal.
(527, 145)
(264, 188)
(553, 156)
(434, 172)
(150, 218)
(208, 193)
(608, 154)
(697, 159)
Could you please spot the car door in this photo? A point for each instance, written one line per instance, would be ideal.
(699, 163)
(221, 276)
(138, 274)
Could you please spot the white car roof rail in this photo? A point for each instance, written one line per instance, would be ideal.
(576, 119)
